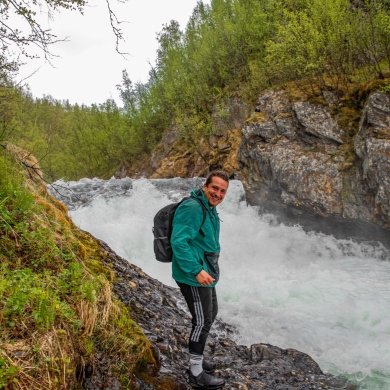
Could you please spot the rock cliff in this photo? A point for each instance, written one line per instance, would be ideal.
(173, 157)
(298, 162)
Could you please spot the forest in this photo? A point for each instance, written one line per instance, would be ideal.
(228, 48)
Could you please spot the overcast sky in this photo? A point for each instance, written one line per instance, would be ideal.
(88, 67)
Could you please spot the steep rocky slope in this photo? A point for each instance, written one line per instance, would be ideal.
(59, 319)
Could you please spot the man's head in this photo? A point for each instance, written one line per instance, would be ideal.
(215, 187)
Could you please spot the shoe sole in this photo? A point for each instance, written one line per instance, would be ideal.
(194, 386)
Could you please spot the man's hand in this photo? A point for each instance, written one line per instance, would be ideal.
(204, 278)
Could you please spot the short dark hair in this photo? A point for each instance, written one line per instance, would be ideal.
(217, 173)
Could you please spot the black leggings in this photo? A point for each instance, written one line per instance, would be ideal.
(203, 305)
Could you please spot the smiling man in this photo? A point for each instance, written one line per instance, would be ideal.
(195, 244)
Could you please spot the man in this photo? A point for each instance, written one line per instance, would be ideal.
(195, 269)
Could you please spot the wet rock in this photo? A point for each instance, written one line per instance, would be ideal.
(294, 164)
(166, 323)
(260, 352)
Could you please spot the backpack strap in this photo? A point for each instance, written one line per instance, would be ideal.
(204, 213)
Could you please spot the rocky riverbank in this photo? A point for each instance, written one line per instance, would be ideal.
(160, 311)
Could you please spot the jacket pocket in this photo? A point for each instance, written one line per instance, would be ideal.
(211, 259)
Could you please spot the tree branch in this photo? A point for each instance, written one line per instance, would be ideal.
(115, 28)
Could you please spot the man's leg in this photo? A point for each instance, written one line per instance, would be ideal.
(200, 301)
(203, 306)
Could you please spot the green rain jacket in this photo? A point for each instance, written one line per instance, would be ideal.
(188, 244)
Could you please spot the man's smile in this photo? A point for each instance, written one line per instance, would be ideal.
(215, 192)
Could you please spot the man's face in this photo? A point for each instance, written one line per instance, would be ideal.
(215, 191)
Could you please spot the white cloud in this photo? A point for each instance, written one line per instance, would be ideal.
(88, 67)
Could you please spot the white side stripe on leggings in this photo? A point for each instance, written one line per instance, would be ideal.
(198, 314)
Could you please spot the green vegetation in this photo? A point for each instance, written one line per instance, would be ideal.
(56, 306)
(331, 44)
(70, 141)
(229, 48)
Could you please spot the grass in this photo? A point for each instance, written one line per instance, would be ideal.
(57, 310)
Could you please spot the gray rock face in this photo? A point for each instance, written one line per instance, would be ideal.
(372, 146)
(293, 163)
(163, 316)
(317, 121)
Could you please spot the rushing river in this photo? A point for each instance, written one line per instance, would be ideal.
(279, 285)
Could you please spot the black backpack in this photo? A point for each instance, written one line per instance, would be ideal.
(162, 229)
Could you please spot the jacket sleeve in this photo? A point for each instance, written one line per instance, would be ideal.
(185, 227)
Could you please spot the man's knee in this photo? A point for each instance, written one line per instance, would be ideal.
(205, 325)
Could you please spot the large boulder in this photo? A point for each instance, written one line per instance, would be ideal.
(295, 161)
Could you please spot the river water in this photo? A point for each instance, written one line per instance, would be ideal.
(279, 285)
